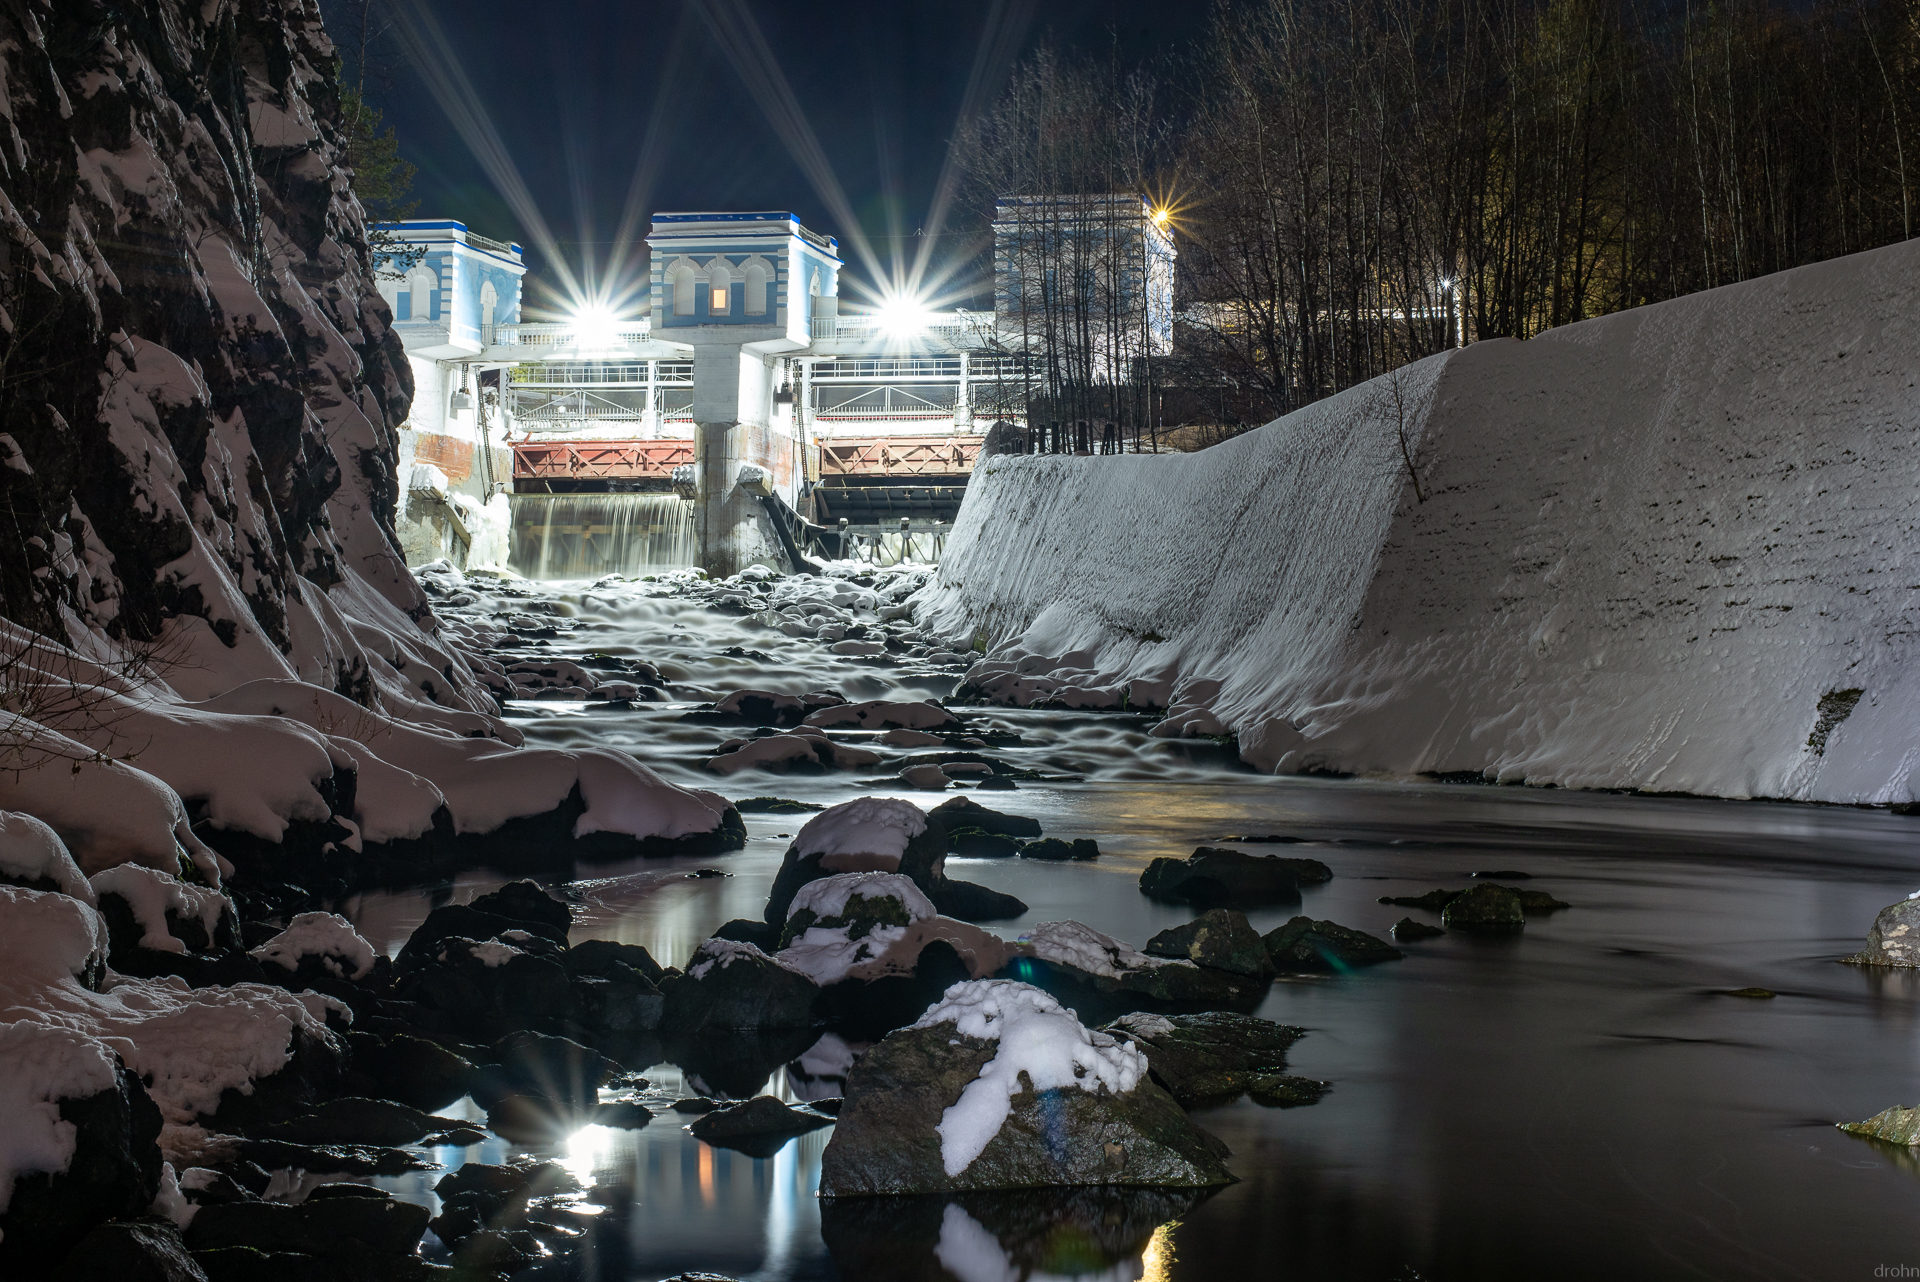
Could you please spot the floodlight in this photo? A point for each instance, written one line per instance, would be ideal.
(595, 328)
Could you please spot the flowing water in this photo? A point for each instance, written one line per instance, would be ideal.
(575, 536)
(1584, 1100)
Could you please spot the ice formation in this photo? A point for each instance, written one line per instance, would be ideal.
(1662, 549)
(1042, 1046)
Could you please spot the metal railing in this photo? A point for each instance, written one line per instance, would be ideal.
(549, 334)
(624, 373)
(488, 242)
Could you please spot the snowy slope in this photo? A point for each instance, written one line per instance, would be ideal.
(1659, 550)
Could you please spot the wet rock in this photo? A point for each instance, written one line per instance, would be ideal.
(730, 985)
(887, 1141)
(1537, 902)
(623, 1115)
(972, 843)
(775, 806)
(1894, 939)
(963, 813)
(1093, 972)
(530, 1175)
(1408, 931)
(488, 988)
(1080, 849)
(342, 1228)
(1305, 944)
(450, 921)
(1221, 939)
(1433, 901)
(147, 1249)
(997, 783)
(114, 1172)
(698, 1104)
(1755, 994)
(536, 1119)
(760, 708)
(926, 778)
(883, 714)
(737, 1064)
(1895, 1125)
(358, 1121)
(620, 999)
(1212, 1057)
(1212, 875)
(971, 902)
(601, 956)
(327, 1159)
(744, 930)
(1485, 910)
(409, 1070)
(557, 1068)
(1498, 875)
(763, 1117)
(526, 903)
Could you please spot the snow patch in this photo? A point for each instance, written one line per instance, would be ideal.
(1042, 1046)
(30, 850)
(152, 895)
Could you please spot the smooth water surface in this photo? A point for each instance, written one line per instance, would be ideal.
(1585, 1100)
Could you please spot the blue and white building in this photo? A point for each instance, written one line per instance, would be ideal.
(449, 306)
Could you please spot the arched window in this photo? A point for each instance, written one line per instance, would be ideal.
(489, 303)
(682, 276)
(422, 284)
(756, 276)
(720, 278)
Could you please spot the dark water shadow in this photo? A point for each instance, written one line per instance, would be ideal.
(1065, 1232)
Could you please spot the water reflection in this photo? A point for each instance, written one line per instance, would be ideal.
(1089, 1234)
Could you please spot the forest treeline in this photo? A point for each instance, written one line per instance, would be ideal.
(1354, 184)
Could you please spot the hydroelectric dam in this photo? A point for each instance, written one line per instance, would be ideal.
(740, 418)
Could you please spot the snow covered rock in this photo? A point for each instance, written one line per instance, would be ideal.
(33, 856)
(1894, 939)
(1082, 955)
(761, 708)
(927, 778)
(1212, 1057)
(878, 834)
(78, 1143)
(1000, 1087)
(324, 943)
(153, 912)
(1622, 574)
(803, 750)
(730, 985)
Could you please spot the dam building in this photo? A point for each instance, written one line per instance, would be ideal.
(742, 417)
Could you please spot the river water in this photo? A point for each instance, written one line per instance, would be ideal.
(1584, 1100)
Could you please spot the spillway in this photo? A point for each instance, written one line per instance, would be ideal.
(583, 536)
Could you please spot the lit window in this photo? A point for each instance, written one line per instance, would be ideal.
(719, 303)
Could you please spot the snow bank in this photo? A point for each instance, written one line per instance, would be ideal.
(1666, 549)
(31, 851)
(152, 895)
(1039, 1039)
(866, 834)
(724, 953)
(327, 936)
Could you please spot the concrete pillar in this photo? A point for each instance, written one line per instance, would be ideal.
(732, 413)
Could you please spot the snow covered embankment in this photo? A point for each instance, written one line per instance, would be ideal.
(1667, 549)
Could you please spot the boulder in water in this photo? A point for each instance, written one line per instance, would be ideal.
(758, 1127)
(1212, 875)
(735, 986)
(963, 813)
(981, 1092)
(1487, 910)
(1219, 938)
(1305, 944)
(1080, 849)
(1894, 939)
(1084, 955)
(1214, 1056)
(1895, 1125)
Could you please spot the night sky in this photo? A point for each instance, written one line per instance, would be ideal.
(573, 86)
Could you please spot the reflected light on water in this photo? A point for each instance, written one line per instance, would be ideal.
(1156, 1262)
(706, 1175)
(586, 1151)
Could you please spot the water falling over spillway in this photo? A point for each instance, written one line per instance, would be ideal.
(583, 536)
